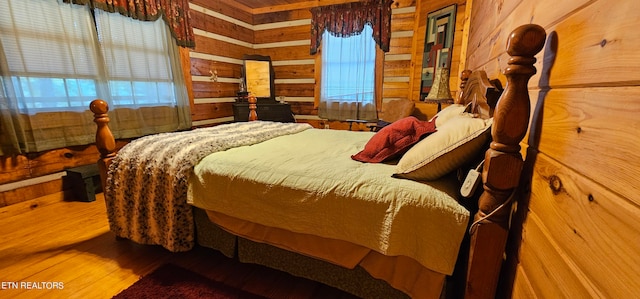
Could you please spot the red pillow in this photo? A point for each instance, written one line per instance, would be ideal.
(394, 140)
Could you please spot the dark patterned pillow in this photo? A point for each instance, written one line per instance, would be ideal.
(394, 140)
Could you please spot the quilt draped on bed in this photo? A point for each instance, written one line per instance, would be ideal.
(146, 192)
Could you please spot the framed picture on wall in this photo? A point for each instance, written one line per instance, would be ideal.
(438, 44)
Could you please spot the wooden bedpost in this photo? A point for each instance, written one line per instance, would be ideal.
(252, 108)
(105, 142)
(503, 164)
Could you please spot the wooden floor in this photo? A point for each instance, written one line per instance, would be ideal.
(52, 243)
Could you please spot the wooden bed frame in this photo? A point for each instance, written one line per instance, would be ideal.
(502, 167)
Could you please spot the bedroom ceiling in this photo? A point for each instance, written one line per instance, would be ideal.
(266, 3)
(262, 4)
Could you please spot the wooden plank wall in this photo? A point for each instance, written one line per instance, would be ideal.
(29, 176)
(226, 30)
(580, 214)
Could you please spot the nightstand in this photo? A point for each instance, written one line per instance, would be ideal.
(440, 102)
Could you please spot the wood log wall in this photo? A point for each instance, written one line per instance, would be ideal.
(580, 212)
(225, 31)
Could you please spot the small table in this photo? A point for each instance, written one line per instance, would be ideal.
(85, 181)
(439, 102)
(359, 121)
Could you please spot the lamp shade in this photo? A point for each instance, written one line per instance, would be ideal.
(440, 88)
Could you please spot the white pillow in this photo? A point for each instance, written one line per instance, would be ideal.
(453, 144)
(447, 113)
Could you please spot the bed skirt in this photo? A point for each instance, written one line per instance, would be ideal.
(212, 236)
(356, 281)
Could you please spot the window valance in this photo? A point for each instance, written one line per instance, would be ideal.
(174, 12)
(344, 20)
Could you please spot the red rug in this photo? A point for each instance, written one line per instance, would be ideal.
(171, 281)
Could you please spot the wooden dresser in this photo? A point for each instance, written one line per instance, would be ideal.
(271, 111)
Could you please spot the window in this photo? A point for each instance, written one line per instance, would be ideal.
(347, 87)
(138, 67)
(55, 58)
(50, 54)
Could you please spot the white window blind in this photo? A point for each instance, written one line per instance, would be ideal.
(46, 49)
(56, 57)
(135, 53)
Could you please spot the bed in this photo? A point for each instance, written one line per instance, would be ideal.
(377, 214)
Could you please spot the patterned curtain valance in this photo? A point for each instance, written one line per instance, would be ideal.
(344, 20)
(174, 12)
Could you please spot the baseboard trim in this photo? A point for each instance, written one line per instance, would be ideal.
(32, 181)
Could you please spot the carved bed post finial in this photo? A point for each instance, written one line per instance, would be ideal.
(252, 108)
(105, 142)
(464, 77)
(510, 121)
(503, 163)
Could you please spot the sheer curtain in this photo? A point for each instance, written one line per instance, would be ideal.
(175, 13)
(9, 142)
(347, 88)
(53, 65)
(349, 34)
(143, 71)
(48, 75)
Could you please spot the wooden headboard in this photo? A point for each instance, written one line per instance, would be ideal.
(477, 90)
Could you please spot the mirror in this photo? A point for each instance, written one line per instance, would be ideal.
(259, 76)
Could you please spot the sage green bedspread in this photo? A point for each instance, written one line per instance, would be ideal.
(307, 183)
